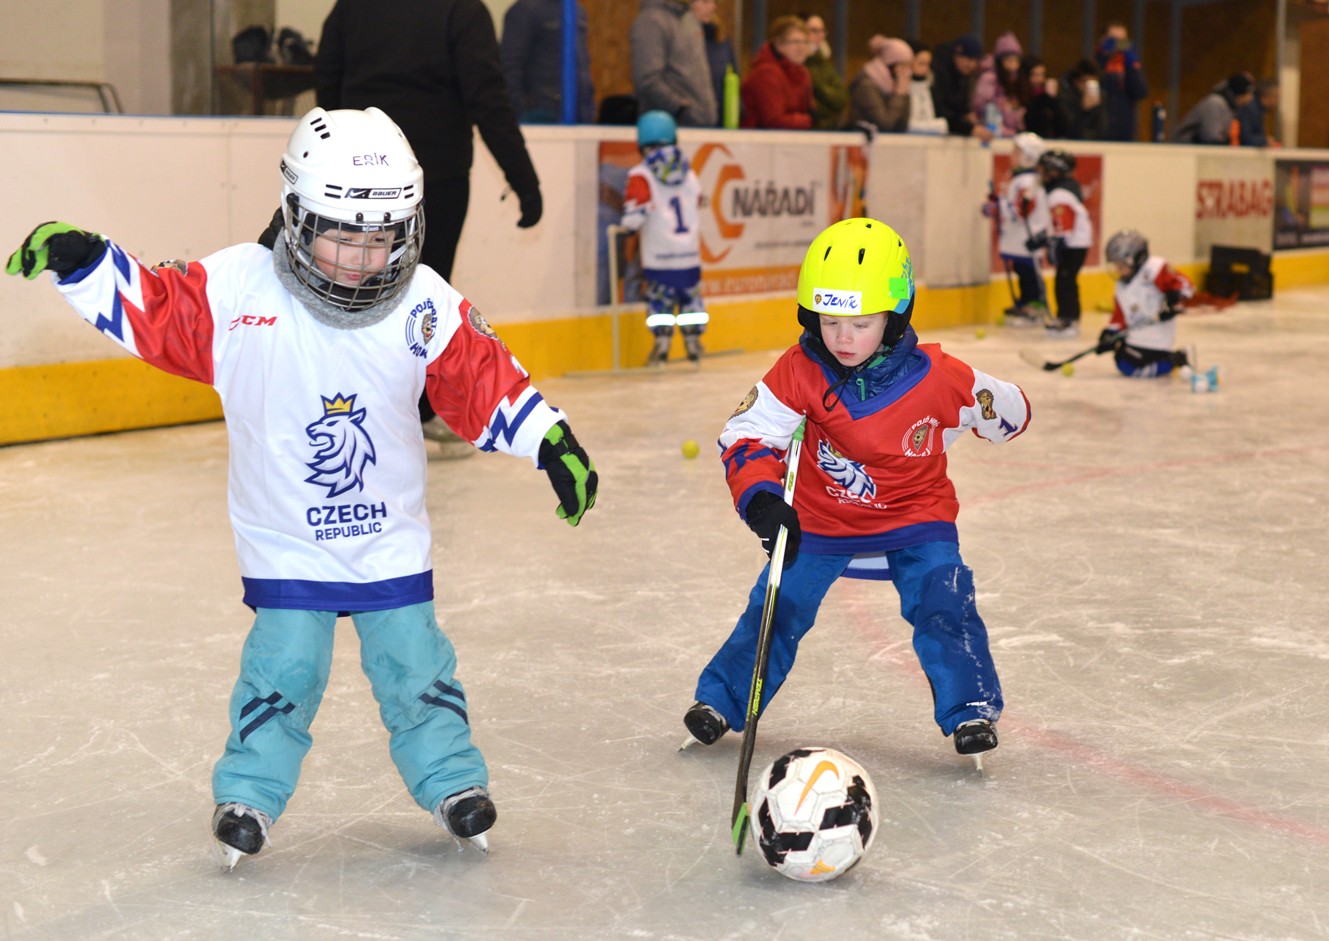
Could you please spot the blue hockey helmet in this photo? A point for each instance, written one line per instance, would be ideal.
(656, 127)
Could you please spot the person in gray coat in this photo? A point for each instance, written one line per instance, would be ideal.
(670, 71)
(1213, 119)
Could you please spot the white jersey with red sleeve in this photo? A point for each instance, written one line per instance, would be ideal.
(668, 216)
(1070, 218)
(872, 475)
(1024, 213)
(327, 460)
(1137, 304)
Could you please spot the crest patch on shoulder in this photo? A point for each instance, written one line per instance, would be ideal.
(479, 324)
(749, 400)
(180, 266)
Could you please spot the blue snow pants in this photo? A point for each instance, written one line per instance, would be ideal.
(283, 672)
(936, 596)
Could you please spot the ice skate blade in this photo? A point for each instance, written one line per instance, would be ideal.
(688, 743)
(978, 762)
(227, 856)
(480, 841)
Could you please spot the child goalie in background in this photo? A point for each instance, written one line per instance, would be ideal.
(874, 499)
(662, 201)
(1147, 297)
(320, 348)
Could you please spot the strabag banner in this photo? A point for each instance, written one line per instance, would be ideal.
(1234, 203)
(1301, 203)
(761, 207)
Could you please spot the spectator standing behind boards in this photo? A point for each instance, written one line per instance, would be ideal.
(880, 94)
(922, 115)
(997, 85)
(1038, 93)
(954, 68)
(719, 51)
(829, 94)
(1080, 103)
(1122, 81)
(1214, 119)
(670, 72)
(532, 53)
(1251, 115)
(433, 66)
(777, 91)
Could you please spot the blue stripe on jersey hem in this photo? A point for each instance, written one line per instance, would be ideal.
(902, 538)
(304, 595)
(673, 277)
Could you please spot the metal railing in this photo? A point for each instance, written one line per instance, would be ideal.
(106, 94)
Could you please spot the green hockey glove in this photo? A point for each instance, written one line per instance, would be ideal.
(55, 246)
(570, 471)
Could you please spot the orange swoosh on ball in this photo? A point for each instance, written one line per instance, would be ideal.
(816, 773)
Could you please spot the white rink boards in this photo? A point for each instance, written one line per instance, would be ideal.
(1150, 564)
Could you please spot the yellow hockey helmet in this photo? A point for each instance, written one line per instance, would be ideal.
(854, 268)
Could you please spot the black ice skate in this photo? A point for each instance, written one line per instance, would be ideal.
(660, 352)
(705, 725)
(240, 831)
(466, 815)
(692, 343)
(975, 737)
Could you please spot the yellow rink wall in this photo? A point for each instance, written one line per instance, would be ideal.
(65, 400)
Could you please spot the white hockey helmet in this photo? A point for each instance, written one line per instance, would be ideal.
(353, 172)
(1028, 148)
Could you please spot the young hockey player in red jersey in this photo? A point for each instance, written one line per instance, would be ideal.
(662, 202)
(320, 348)
(1147, 297)
(873, 500)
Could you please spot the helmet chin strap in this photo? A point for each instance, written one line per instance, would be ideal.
(322, 310)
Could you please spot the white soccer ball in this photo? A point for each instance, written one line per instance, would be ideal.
(814, 814)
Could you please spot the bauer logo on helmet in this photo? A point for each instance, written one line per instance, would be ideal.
(825, 301)
(361, 192)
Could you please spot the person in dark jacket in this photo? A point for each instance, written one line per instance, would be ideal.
(1122, 81)
(1080, 103)
(532, 54)
(954, 73)
(1038, 95)
(777, 92)
(433, 67)
(669, 66)
(1251, 115)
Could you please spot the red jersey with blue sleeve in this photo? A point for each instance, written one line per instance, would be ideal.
(327, 461)
(872, 475)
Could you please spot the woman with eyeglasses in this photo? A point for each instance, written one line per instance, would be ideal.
(777, 92)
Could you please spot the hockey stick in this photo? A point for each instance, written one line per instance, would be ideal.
(1034, 359)
(739, 819)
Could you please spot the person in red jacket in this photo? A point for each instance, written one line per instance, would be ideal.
(777, 92)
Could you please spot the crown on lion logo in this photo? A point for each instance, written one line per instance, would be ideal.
(338, 405)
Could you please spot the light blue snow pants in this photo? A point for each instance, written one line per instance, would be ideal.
(936, 596)
(283, 672)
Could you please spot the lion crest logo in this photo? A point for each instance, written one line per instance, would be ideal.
(479, 324)
(848, 475)
(342, 446)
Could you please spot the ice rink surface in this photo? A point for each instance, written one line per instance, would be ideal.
(1151, 565)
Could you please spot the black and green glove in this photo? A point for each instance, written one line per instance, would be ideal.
(570, 471)
(55, 246)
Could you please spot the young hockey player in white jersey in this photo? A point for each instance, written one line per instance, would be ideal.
(1068, 241)
(1147, 297)
(662, 201)
(319, 349)
(1021, 211)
